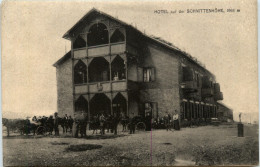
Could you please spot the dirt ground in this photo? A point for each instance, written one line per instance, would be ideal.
(207, 145)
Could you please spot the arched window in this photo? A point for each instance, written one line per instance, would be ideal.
(118, 69)
(79, 43)
(81, 104)
(100, 103)
(98, 35)
(117, 36)
(99, 70)
(80, 73)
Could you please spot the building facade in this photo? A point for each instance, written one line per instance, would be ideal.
(114, 68)
(225, 114)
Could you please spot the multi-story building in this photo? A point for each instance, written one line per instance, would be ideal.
(224, 114)
(114, 68)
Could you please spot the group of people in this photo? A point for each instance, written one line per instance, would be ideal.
(171, 121)
(101, 122)
(52, 123)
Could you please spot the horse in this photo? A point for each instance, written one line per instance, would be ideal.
(23, 126)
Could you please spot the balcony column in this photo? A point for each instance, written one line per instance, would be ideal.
(183, 109)
(88, 93)
(73, 88)
(111, 92)
(86, 35)
(126, 77)
(110, 69)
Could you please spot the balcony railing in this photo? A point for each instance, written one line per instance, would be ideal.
(216, 87)
(189, 86)
(99, 50)
(207, 92)
(101, 87)
(218, 96)
(80, 53)
(94, 51)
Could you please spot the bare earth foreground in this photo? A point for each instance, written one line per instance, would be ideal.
(208, 145)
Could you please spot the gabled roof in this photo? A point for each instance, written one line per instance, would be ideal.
(157, 40)
(62, 59)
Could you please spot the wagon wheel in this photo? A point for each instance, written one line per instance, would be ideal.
(40, 130)
(140, 126)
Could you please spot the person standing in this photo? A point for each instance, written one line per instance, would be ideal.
(132, 126)
(176, 124)
(56, 124)
(102, 124)
(66, 122)
(70, 123)
(167, 121)
(83, 125)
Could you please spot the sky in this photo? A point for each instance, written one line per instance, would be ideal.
(32, 42)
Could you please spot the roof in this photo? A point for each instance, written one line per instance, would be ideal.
(153, 38)
(224, 105)
(62, 59)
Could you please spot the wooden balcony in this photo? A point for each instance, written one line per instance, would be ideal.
(117, 48)
(206, 83)
(100, 50)
(207, 92)
(95, 51)
(80, 53)
(97, 87)
(189, 86)
(218, 96)
(216, 87)
(81, 89)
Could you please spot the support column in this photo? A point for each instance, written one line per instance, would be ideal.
(110, 69)
(126, 77)
(73, 88)
(86, 37)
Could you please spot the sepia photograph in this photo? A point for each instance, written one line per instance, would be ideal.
(129, 83)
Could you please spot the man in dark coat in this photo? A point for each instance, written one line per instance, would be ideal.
(167, 122)
(66, 122)
(116, 120)
(50, 124)
(132, 125)
(83, 125)
(56, 124)
(70, 121)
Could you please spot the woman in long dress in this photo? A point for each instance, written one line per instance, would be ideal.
(176, 120)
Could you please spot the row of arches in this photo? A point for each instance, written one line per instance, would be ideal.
(98, 35)
(98, 70)
(100, 103)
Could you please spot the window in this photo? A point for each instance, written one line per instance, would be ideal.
(198, 79)
(81, 104)
(117, 37)
(118, 69)
(98, 35)
(150, 108)
(80, 73)
(187, 74)
(79, 43)
(149, 74)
